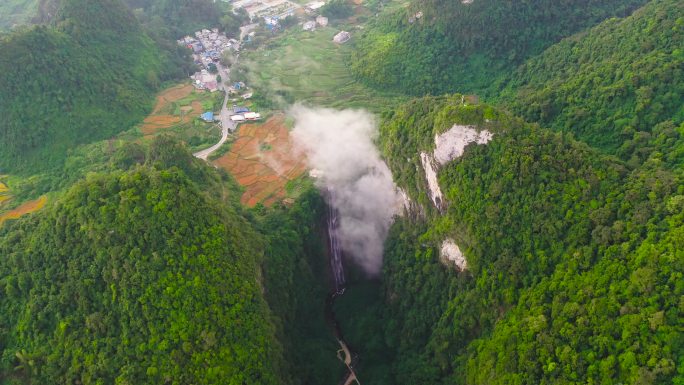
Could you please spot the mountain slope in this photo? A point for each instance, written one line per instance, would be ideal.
(612, 85)
(92, 75)
(178, 17)
(135, 277)
(444, 46)
(540, 219)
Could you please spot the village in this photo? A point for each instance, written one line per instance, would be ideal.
(209, 47)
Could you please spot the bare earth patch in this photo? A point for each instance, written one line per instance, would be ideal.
(262, 160)
(24, 209)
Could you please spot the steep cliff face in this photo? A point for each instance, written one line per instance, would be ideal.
(517, 213)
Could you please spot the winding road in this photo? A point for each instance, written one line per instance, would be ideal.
(227, 125)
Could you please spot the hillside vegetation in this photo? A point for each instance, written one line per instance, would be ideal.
(617, 86)
(574, 261)
(16, 12)
(91, 75)
(174, 18)
(443, 46)
(135, 278)
(156, 275)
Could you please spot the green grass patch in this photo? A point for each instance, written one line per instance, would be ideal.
(309, 67)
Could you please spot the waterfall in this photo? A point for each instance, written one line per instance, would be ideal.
(335, 247)
(345, 354)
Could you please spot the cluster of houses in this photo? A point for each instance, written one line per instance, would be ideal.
(207, 47)
(272, 11)
(241, 114)
(204, 80)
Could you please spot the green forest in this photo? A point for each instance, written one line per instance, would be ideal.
(575, 262)
(16, 12)
(618, 86)
(156, 274)
(443, 46)
(91, 74)
(173, 18)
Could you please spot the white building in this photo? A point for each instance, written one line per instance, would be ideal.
(309, 26)
(322, 21)
(342, 37)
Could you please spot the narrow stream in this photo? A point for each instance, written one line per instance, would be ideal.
(338, 287)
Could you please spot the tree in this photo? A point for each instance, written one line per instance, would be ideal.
(337, 9)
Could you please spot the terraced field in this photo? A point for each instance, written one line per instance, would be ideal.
(308, 67)
(163, 115)
(177, 113)
(262, 159)
(4, 193)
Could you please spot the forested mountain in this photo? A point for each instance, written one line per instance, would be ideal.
(445, 46)
(575, 262)
(617, 86)
(135, 278)
(143, 276)
(90, 75)
(174, 18)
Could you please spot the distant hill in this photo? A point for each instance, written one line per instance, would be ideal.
(89, 75)
(445, 46)
(618, 86)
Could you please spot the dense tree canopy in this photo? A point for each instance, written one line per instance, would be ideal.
(135, 278)
(612, 85)
(442, 46)
(92, 75)
(174, 18)
(574, 264)
(157, 274)
(337, 9)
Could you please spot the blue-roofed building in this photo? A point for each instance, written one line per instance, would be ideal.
(208, 116)
(240, 110)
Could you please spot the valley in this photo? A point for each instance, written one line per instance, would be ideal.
(249, 195)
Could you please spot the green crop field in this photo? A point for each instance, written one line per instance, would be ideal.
(308, 67)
